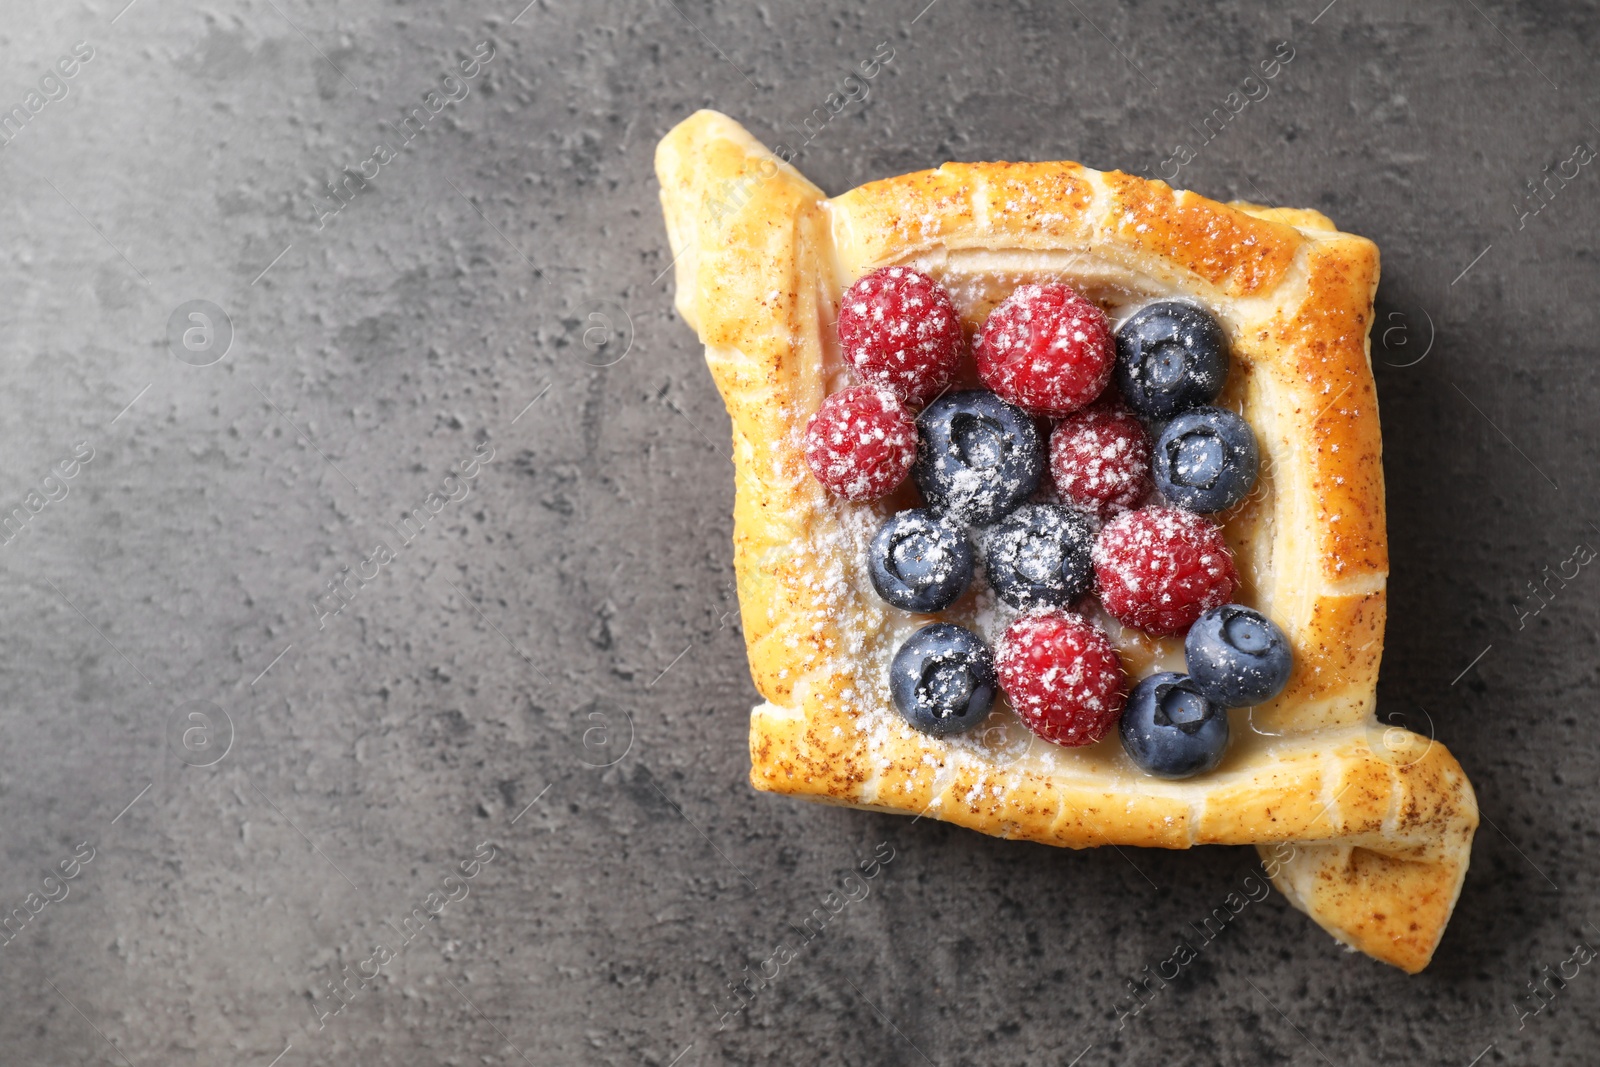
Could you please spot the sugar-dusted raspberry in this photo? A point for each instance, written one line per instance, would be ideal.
(1100, 459)
(1045, 348)
(861, 442)
(900, 329)
(1062, 676)
(1158, 568)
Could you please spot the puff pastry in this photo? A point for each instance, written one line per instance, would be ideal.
(1380, 821)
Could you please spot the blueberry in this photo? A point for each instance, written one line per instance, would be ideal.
(1171, 730)
(918, 562)
(1237, 656)
(942, 679)
(1170, 357)
(1039, 555)
(978, 457)
(1205, 460)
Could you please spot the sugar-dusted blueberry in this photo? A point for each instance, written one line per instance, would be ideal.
(978, 457)
(1206, 460)
(919, 562)
(1038, 556)
(1171, 730)
(899, 328)
(1171, 356)
(942, 679)
(1237, 656)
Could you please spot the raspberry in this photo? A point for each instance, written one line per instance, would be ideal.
(861, 442)
(900, 329)
(1047, 349)
(1159, 568)
(1062, 676)
(1100, 458)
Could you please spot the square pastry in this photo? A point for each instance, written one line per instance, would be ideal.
(1047, 607)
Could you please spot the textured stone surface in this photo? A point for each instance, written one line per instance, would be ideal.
(528, 631)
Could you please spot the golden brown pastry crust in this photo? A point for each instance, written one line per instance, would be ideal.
(1381, 833)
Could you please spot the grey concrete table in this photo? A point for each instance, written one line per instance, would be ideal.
(374, 688)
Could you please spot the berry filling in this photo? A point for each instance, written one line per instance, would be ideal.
(861, 443)
(1045, 348)
(978, 457)
(899, 329)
